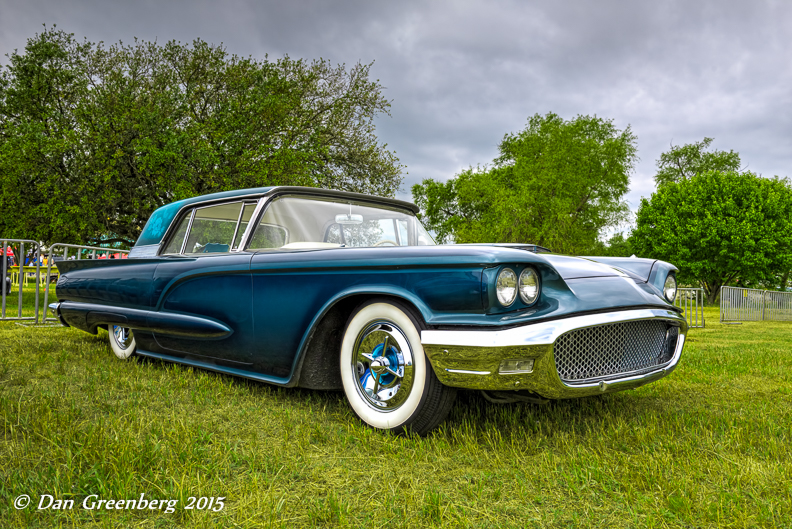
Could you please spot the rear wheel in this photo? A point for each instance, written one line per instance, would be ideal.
(387, 378)
(122, 341)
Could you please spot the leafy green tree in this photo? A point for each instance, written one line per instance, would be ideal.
(681, 162)
(557, 183)
(617, 246)
(719, 228)
(94, 138)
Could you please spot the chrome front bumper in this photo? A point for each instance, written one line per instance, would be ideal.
(471, 359)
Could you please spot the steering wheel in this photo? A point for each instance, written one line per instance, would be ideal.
(386, 241)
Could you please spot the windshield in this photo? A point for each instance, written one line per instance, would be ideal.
(297, 222)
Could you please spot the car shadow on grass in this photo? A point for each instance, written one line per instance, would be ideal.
(473, 414)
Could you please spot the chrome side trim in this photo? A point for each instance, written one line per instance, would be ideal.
(88, 316)
(543, 333)
(467, 372)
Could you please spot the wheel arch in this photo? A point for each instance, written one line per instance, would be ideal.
(316, 364)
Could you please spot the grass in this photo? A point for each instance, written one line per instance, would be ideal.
(709, 446)
(28, 300)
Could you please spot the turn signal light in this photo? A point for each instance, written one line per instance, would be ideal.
(510, 367)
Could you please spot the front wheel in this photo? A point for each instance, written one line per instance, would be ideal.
(122, 342)
(387, 379)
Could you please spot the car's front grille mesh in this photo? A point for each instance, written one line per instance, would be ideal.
(605, 350)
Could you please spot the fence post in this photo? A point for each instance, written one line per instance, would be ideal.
(5, 272)
(38, 279)
(764, 305)
(21, 264)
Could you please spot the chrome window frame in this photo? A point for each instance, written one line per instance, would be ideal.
(255, 218)
(239, 222)
(264, 201)
(221, 203)
(264, 197)
(243, 200)
(187, 233)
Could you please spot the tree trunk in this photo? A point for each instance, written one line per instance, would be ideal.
(712, 291)
(784, 281)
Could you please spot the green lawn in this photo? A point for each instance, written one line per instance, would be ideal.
(28, 300)
(709, 446)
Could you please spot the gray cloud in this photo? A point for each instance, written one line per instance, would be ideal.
(462, 74)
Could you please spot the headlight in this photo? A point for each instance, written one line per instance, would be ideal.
(670, 288)
(506, 287)
(529, 286)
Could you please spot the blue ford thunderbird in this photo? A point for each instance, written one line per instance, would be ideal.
(333, 290)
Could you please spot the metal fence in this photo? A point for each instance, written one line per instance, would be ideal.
(691, 300)
(748, 304)
(17, 272)
(65, 252)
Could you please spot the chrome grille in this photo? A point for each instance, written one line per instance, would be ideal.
(612, 349)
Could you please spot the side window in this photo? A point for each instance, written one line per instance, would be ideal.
(213, 229)
(174, 246)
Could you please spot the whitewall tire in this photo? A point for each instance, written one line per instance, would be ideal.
(122, 341)
(386, 376)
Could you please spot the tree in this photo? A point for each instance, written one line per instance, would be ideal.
(719, 227)
(557, 184)
(617, 246)
(94, 138)
(683, 162)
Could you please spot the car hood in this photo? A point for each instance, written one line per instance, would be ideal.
(578, 268)
(569, 267)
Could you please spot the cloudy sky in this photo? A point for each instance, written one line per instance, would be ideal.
(462, 74)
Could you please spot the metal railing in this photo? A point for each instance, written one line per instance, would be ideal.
(748, 304)
(778, 306)
(21, 256)
(691, 301)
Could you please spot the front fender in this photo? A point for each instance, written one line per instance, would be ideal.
(318, 362)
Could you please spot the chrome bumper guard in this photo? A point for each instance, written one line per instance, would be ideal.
(55, 310)
(471, 359)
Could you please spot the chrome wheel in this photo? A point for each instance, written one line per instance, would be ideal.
(387, 379)
(122, 336)
(122, 341)
(383, 362)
